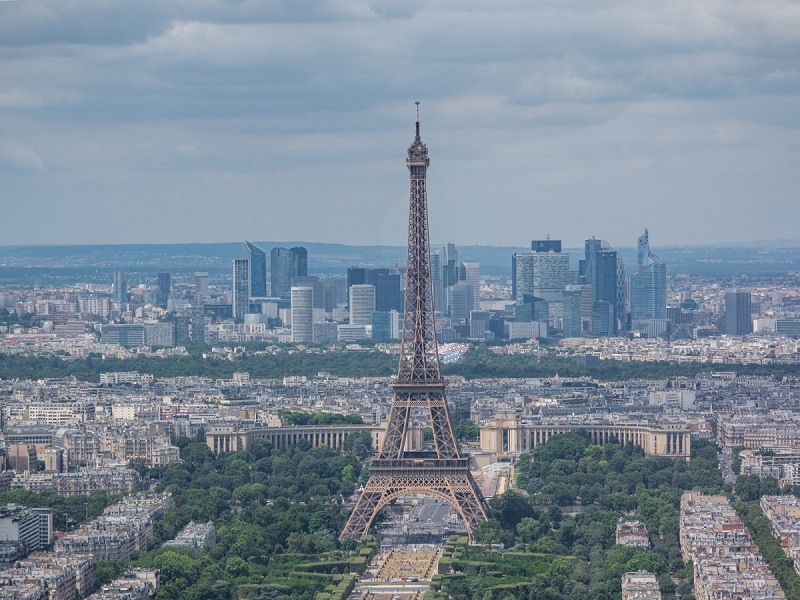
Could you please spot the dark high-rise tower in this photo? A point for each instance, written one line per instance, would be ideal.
(419, 385)
(281, 272)
(648, 284)
(241, 288)
(120, 286)
(738, 320)
(164, 289)
(285, 264)
(603, 269)
(198, 307)
(299, 261)
(257, 260)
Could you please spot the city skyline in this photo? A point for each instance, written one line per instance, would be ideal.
(576, 120)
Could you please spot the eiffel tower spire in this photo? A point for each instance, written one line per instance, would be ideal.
(419, 386)
(419, 357)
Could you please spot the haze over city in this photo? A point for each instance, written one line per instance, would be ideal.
(201, 122)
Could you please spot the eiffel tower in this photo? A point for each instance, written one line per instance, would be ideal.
(395, 472)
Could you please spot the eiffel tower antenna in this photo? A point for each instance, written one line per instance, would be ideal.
(397, 472)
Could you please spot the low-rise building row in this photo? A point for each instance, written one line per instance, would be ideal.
(759, 431)
(123, 528)
(135, 584)
(195, 535)
(632, 534)
(783, 513)
(640, 585)
(113, 480)
(727, 563)
(48, 575)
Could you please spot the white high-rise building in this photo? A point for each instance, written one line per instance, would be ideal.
(302, 309)
(200, 287)
(362, 304)
(541, 274)
(472, 275)
(240, 298)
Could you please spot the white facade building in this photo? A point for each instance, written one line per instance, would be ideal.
(362, 304)
(302, 307)
(541, 274)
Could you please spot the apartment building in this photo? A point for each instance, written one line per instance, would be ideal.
(727, 563)
(640, 585)
(31, 526)
(122, 529)
(783, 513)
(632, 534)
(758, 431)
(195, 535)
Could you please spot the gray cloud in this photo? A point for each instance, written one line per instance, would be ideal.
(197, 120)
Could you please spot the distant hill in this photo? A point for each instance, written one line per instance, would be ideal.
(58, 264)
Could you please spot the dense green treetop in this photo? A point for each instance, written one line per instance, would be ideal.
(480, 362)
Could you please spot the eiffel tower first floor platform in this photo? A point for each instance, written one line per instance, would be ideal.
(446, 478)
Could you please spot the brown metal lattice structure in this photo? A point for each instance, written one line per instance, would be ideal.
(419, 385)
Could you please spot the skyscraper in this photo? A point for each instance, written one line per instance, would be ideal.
(388, 292)
(451, 265)
(573, 313)
(606, 274)
(164, 289)
(241, 288)
(385, 326)
(460, 301)
(387, 282)
(199, 307)
(437, 289)
(299, 261)
(182, 336)
(302, 307)
(200, 287)
(258, 269)
(648, 284)
(120, 286)
(285, 264)
(281, 271)
(449, 277)
(472, 275)
(312, 281)
(738, 320)
(603, 321)
(543, 273)
(362, 304)
(547, 245)
(335, 292)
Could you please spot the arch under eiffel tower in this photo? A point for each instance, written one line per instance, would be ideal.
(396, 473)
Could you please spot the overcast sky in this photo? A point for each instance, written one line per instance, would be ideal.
(204, 121)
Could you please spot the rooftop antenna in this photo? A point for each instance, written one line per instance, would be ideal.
(417, 103)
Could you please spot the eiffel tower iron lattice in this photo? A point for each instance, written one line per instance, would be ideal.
(419, 385)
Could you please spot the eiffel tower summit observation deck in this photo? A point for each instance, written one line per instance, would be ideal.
(419, 386)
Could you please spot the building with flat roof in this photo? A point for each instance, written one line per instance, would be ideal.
(640, 585)
(727, 563)
(237, 438)
(195, 535)
(738, 320)
(515, 436)
(302, 307)
(257, 260)
(32, 526)
(362, 304)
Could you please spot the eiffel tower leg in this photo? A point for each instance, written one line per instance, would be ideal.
(468, 501)
(362, 515)
(457, 489)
